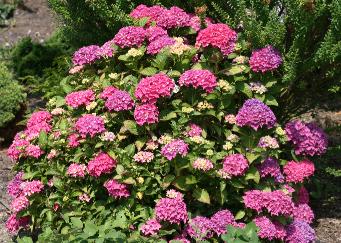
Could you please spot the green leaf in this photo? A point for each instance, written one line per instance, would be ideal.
(174, 74)
(76, 222)
(270, 100)
(244, 88)
(149, 71)
(42, 139)
(130, 149)
(167, 117)
(240, 214)
(90, 228)
(131, 126)
(235, 69)
(202, 195)
(25, 239)
(185, 182)
(253, 174)
(167, 181)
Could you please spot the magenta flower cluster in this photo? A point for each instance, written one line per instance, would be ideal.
(172, 210)
(194, 130)
(89, 125)
(270, 167)
(174, 148)
(76, 170)
(119, 101)
(151, 227)
(101, 164)
(204, 79)
(270, 229)
(265, 59)
(235, 164)
(255, 114)
(146, 114)
(219, 36)
(13, 187)
(307, 138)
(116, 189)
(275, 202)
(130, 36)
(86, 55)
(29, 188)
(158, 44)
(150, 89)
(78, 98)
(298, 171)
(300, 232)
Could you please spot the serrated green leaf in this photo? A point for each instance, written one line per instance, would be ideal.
(149, 71)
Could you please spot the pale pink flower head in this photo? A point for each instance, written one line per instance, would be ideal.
(107, 92)
(143, 157)
(130, 36)
(90, 125)
(31, 187)
(202, 164)
(235, 164)
(116, 189)
(174, 148)
(20, 203)
(219, 36)
(255, 114)
(13, 187)
(265, 59)
(57, 111)
(307, 138)
(304, 213)
(204, 79)
(150, 89)
(14, 223)
(119, 101)
(101, 164)
(84, 198)
(146, 114)
(230, 118)
(171, 193)
(268, 142)
(174, 17)
(79, 98)
(268, 229)
(172, 210)
(76, 69)
(194, 130)
(298, 171)
(86, 55)
(53, 153)
(76, 170)
(151, 227)
(200, 228)
(157, 45)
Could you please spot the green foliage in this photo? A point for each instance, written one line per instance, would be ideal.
(6, 10)
(12, 95)
(242, 235)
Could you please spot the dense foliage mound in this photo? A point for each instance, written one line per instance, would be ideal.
(166, 133)
(12, 96)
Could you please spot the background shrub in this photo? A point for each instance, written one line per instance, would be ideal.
(12, 96)
(306, 32)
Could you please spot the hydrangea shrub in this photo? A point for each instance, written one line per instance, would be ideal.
(167, 134)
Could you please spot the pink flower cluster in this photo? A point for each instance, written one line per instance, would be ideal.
(107, 49)
(130, 36)
(270, 167)
(73, 140)
(76, 170)
(119, 101)
(308, 138)
(146, 114)
(150, 89)
(304, 213)
(86, 55)
(107, 92)
(19, 203)
(194, 130)
(143, 157)
(221, 219)
(142, 11)
(202, 164)
(151, 227)
(78, 98)
(265, 59)
(116, 189)
(218, 36)
(302, 196)
(200, 228)
(275, 202)
(154, 32)
(172, 210)
(158, 44)
(101, 164)
(300, 232)
(268, 142)
(90, 125)
(204, 79)
(255, 114)
(31, 187)
(13, 187)
(39, 121)
(270, 229)
(235, 164)
(298, 171)
(14, 223)
(174, 148)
